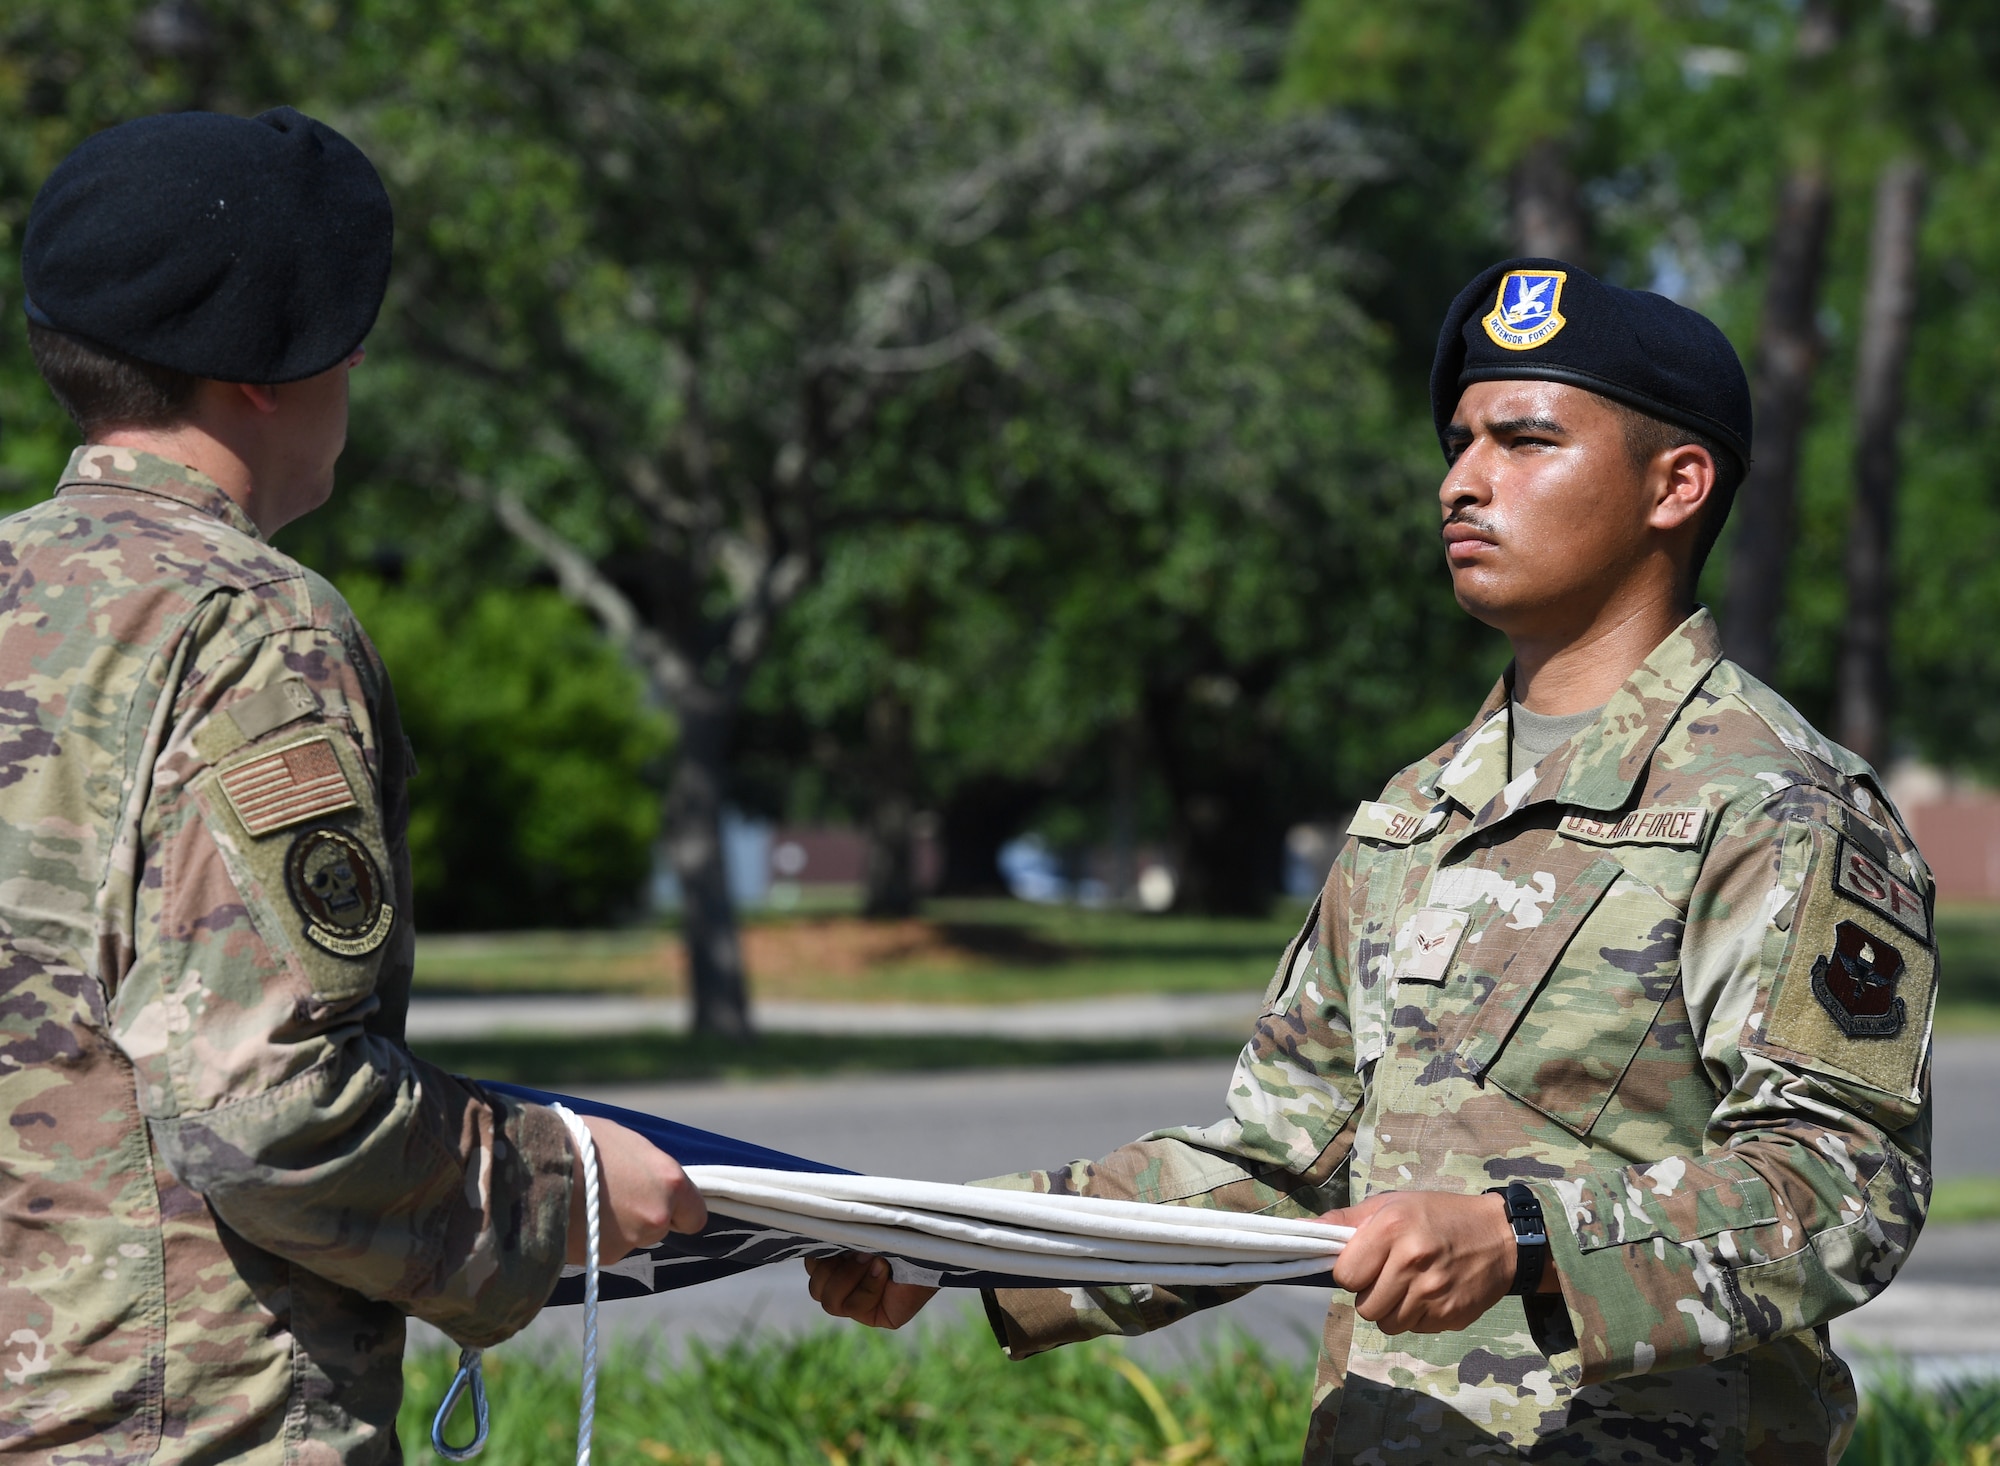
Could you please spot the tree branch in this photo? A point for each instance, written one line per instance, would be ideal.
(987, 338)
(584, 584)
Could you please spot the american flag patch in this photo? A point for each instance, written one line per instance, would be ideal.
(287, 785)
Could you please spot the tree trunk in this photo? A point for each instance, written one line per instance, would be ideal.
(1217, 768)
(1124, 882)
(979, 817)
(1231, 855)
(1887, 314)
(1788, 351)
(1547, 211)
(892, 808)
(695, 849)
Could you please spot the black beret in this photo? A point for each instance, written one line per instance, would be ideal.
(243, 249)
(1544, 320)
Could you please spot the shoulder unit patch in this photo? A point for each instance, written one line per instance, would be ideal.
(1856, 984)
(1855, 994)
(337, 887)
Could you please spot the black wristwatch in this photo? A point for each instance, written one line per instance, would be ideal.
(1531, 1236)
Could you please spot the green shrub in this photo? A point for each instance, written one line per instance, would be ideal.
(1907, 1424)
(532, 806)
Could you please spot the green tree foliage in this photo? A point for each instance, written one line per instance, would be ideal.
(536, 743)
(1000, 395)
(534, 749)
(1192, 524)
(1679, 121)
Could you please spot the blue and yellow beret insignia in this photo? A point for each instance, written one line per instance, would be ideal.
(1528, 309)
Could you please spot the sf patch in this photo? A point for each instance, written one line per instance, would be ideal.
(1868, 881)
(1527, 311)
(1855, 992)
(1856, 984)
(337, 887)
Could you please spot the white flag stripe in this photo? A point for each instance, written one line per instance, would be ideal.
(1024, 1234)
(288, 785)
(288, 797)
(266, 793)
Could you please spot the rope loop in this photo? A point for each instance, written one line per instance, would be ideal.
(470, 1376)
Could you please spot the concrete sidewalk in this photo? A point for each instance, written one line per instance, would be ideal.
(1137, 1015)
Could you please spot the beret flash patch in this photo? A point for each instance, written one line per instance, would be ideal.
(1527, 311)
(337, 887)
(1856, 984)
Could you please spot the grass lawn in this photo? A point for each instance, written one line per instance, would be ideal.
(1007, 952)
(853, 1397)
(1969, 969)
(845, 1397)
(1964, 1199)
(958, 952)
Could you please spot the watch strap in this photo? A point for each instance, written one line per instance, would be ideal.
(1531, 1236)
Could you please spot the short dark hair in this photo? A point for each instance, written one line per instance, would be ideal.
(102, 389)
(1646, 437)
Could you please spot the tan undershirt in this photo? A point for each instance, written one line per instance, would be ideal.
(1536, 735)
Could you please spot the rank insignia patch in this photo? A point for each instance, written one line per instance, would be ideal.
(287, 786)
(337, 887)
(1425, 945)
(1528, 309)
(1856, 984)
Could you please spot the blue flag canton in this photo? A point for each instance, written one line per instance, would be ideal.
(1527, 311)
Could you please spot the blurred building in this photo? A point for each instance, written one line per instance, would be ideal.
(1034, 870)
(1309, 853)
(1956, 824)
(785, 866)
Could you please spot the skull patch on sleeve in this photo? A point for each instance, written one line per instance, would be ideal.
(337, 887)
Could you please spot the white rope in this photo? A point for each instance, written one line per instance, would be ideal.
(1023, 1234)
(1070, 1239)
(586, 1149)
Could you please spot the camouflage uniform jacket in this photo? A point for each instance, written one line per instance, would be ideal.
(1678, 978)
(224, 1181)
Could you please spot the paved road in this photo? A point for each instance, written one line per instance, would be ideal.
(1966, 1090)
(1946, 1306)
(1137, 1015)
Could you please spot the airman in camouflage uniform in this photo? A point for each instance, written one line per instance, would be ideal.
(1601, 979)
(224, 1180)
(1676, 977)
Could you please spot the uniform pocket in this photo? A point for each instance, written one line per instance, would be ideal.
(1591, 1004)
(1292, 967)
